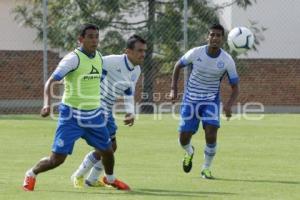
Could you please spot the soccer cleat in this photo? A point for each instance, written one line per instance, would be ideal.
(94, 184)
(29, 183)
(78, 182)
(116, 184)
(187, 162)
(206, 173)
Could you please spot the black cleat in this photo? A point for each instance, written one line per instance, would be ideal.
(187, 162)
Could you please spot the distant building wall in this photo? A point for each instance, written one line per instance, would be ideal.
(280, 17)
(14, 36)
(272, 82)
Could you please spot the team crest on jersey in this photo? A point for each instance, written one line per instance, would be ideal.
(220, 64)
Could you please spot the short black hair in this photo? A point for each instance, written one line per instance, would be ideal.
(218, 27)
(87, 26)
(133, 39)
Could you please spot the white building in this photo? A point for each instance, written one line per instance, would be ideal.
(280, 17)
(14, 36)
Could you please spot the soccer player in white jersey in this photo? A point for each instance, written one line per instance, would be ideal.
(201, 100)
(119, 77)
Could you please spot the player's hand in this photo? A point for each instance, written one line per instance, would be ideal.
(45, 111)
(227, 110)
(173, 95)
(129, 119)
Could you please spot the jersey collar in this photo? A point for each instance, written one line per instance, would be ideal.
(128, 64)
(212, 56)
(86, 53)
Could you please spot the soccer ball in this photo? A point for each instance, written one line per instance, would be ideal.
(240, 39)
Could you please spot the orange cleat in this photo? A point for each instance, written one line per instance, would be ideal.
(29, 182)
(116, 184)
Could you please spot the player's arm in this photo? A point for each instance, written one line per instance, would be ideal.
(234, 82)
(176, 72)
(67, 64)
(129, 100)
(129, 107)
(184, 61)
(233, 97)
(45, 111)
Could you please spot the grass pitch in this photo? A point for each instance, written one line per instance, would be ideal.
(255, 160)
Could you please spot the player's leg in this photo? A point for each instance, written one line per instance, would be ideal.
(90, 160)
(99, 138)
(48, 163)
(45, 164)
(188, 126)
(94, 175)
(209, 150)
(93, 178)
(66, 134)
(211, 123)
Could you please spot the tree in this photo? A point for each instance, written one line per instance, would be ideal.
(159, 21)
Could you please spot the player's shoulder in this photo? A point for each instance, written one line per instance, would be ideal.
(137, 70)
(198, 49)
(226, 56)
(71, 55)
(113, 58)
(70, 59)
(112, 62)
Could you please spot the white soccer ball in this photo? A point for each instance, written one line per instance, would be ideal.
(240, 39)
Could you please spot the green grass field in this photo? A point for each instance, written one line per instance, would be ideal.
(255, 160)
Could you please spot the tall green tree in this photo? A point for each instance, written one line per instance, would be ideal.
(159, 21)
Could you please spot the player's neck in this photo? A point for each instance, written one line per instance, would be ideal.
(131, 62)
(86, 52)
(213, 52)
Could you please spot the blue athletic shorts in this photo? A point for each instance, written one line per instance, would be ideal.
(191, 114)
(74, 124)
(111, 126)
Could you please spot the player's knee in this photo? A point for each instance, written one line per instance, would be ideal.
(185, 138)
(108, 152)
(114, 145)
(97, 155)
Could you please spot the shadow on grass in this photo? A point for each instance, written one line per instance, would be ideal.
(176, 193)
(142, 192)
(258, 181)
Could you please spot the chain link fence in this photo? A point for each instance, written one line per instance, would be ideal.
(170, 29)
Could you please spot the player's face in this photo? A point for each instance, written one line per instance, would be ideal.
(90, 40)
(215, 39)
(137, 54)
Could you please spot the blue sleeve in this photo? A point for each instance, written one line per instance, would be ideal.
(183, 62)
(57, 77)
(232, 74)
(104, 73)
(233, 81)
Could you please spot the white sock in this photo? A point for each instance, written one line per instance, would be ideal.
(86, 165)
(188, 148)
(95, 172)
(209, 154)
(110, 178)
(30, 173)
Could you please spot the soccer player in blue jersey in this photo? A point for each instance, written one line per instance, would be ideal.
(119, 77)
(201, 100)
(80, 115)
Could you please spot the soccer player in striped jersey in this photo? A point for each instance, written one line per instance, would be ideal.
(80, 115)
(119, 77)
(201, 100)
